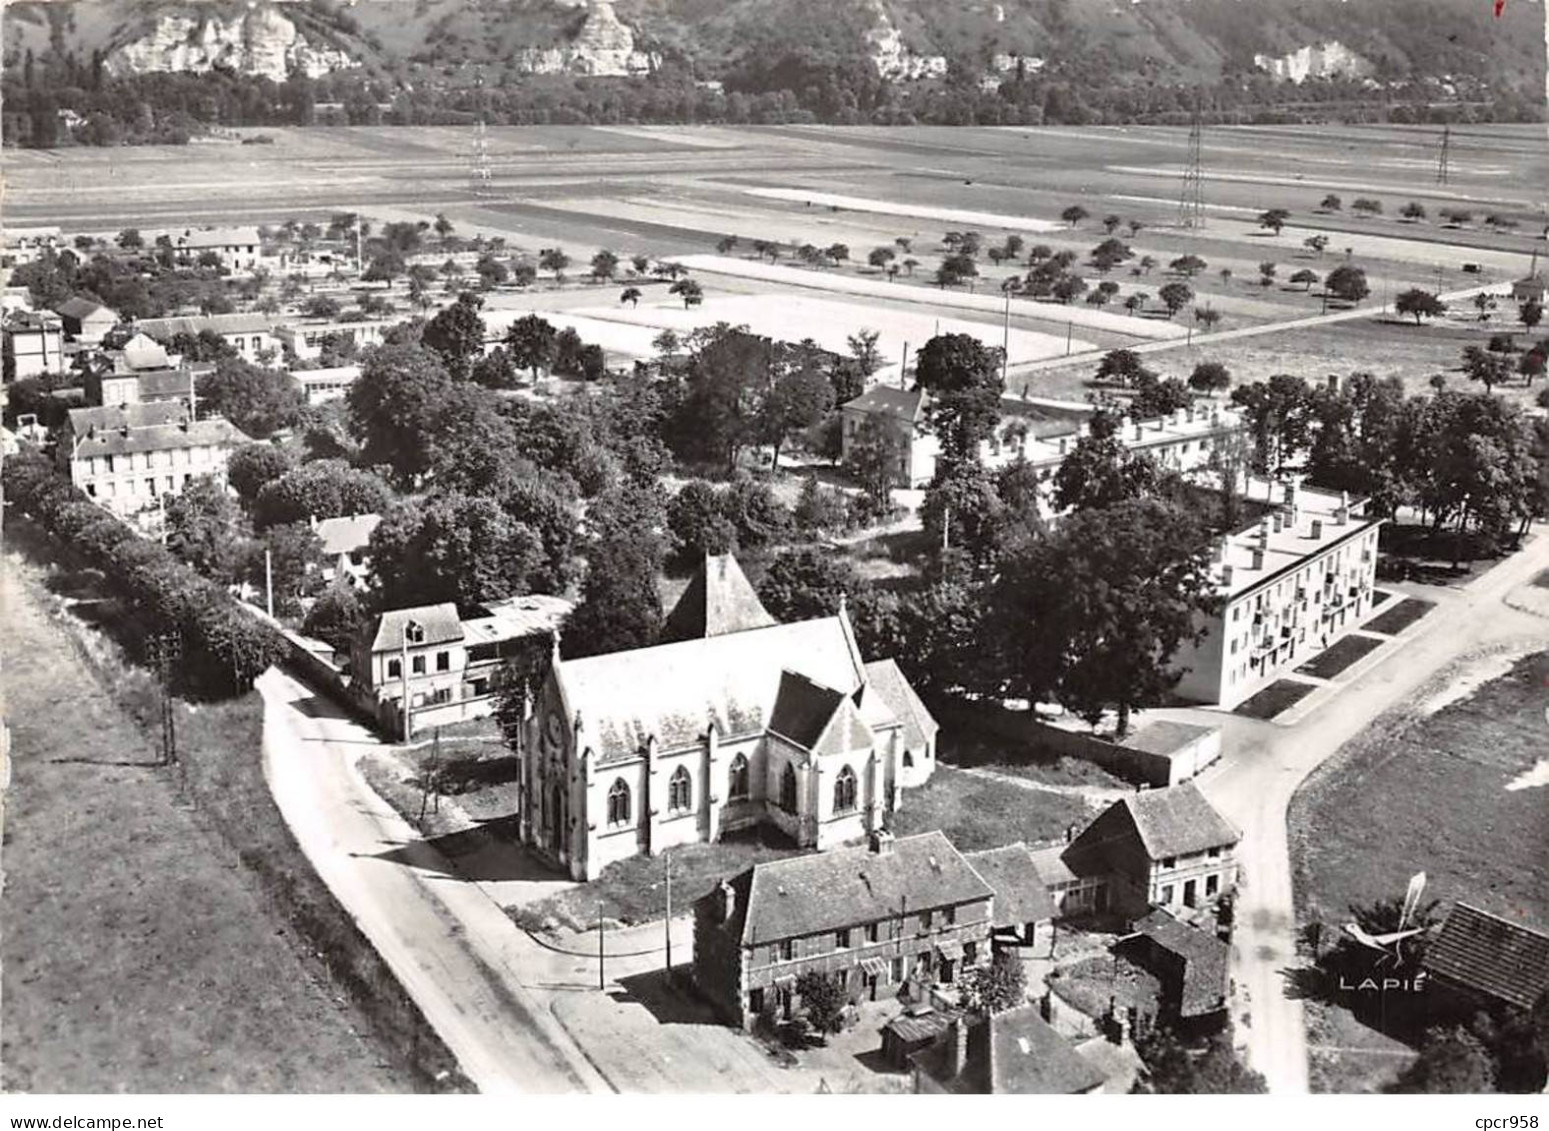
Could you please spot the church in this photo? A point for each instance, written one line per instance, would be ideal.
(734, 722)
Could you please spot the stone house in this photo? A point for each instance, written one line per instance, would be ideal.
(873, 916)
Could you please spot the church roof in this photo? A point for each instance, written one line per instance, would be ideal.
(885, 682)
(718, 600)
(803, 708)
(674, 691)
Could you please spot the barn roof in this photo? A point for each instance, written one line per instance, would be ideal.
(1491, 956)
(1021, 896)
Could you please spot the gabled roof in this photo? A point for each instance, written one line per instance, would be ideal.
(116, 416)
(81, 309)
(803, 709)
(885, 681)
(1202, 988)
(846, 887)
(142, 352)
(886, 400)
(719, 599)
(1029, 1058)
(1021, 896)
(165, 328)
(674, 691)
(348, 534)
(439, 625)
(217, 237)
(1490, 955)
(846, 732)
(1177, 821)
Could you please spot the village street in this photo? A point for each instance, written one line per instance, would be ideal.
(520, 1015)
(1254, 782)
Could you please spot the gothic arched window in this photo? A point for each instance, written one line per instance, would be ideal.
(844, 791)
(788, 789)
(680, 791)
(739, 778)
(618, 803)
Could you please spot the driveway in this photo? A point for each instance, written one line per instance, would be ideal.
(1254, 784)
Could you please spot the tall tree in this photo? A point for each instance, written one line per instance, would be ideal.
(457, 334)
(452, 547)
(963, 378)
(394, 408)
(800, 398)
(258, 401)
(530, 343)
(205, 528)
(620, 606)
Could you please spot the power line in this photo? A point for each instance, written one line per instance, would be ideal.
(479, 169)
(1191, 197)
(1443, 169)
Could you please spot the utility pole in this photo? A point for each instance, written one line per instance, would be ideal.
(410, 629)
(903, 368)
(1443, 169)
(269, 582)
(1070, 328)
(667, 922)
(1005, 340)
(602, 978)
(164, 649)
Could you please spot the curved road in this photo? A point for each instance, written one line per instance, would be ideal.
(1253, 789)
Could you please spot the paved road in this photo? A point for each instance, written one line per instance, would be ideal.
(1254, 787)
(446, 941)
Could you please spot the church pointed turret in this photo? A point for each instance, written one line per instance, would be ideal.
(719, 600)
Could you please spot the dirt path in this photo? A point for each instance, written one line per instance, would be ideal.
(1254, 784)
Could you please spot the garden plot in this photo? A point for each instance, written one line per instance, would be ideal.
(793, 318)
(918, 211)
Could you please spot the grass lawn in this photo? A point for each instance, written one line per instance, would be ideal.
(1340, 655)
(1412, 551)
(1345, 1057)
(978, 812)
(141, 952)
(1399, 617)
(1089, 983)
(1278, 696)
(1423, 793)
(634, 891)
(1023, 760)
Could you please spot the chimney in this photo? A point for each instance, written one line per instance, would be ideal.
(1258, 559)
(728, 901)
(1317, 528)
(1226, 575)
(1278, 521)
(1333, 382)
(1070, 833)
(957, 1036)
(881, 843)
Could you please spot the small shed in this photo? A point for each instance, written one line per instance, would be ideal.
(914, 1030)
(1191, 965)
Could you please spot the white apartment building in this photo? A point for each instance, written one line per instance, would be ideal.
(307, 339)
(1291, 584)
(323, 385)
(239, 249)
(1040, 431)
(128, 457)
(34, 344)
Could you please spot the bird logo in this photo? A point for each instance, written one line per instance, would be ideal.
(1390, 945)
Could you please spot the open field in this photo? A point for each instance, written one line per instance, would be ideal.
(139, 953)
(673, 192)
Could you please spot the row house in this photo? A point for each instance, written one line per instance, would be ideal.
(754, 723)
(873, 917)
(29, 244)
(250, 335)
(427, 666)
(1041, 432)
(1288, 586)
(128, 458)
(34, 344)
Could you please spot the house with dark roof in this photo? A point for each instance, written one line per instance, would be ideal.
(873, 917)
(1488, 960)
(251, 335)
(86, 320)
(1015, 1052)
(1158, 847)
(783, 725)
(1023, 903)
(448, 669)
(1190, 964)
(129, 457)
(239, 250)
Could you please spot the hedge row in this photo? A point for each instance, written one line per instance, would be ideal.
(223, 647)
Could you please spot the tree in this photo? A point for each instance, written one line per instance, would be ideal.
(251, 467)
(1074, 215)
(554, 259)
(1367, 206)
(205, 529)
(837, 252)
(995, 988)
(1346, 283)
(130, 239)
(394, 407)
(1489, 368)
(452, 547)
(1124, 367)
(863, 349)
(1210, 377)
(630, 295)
(335, 617)
(1451, 1061)
(605, 265)
(384, 267)
(322, 306)
(325, 488)
(1307, 278)
(1135, 301)
(1207, 317)
(639, 264)
(822, 1000)
(291, 567)
(258, 401)
(807, 582)
(1172, 1068)
(1101, 472)
(963, 378)
(1317, 244)
(801, 397)
(1175, 296)
(698, 522)
(689, 291)
(1114, 592)
(494, 370)
(726, 245)
(457, 334)
(1274, 219)
(1419, 303)
(1279, 418)
(1530, 313)
(620, 607)
(530, 341)
(1414, 211)
(491, 270)
(1331, 203)
(443, 228)
(870, 457)
(1188, 265)
(955, 269)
